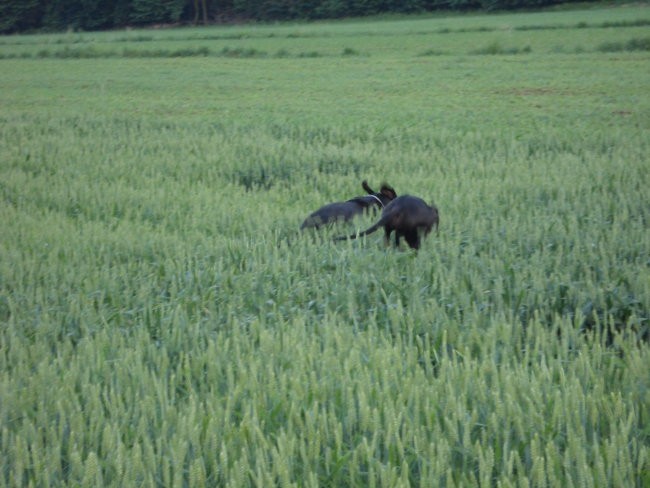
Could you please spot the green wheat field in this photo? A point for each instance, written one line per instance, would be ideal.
(164, 323)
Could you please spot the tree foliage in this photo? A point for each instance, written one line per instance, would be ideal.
(56, 15)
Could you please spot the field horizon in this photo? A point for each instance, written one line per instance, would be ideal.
(164, 322)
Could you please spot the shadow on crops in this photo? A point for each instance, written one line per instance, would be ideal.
(618, 312)
(495, 48)
(262, 176)
(637, 44)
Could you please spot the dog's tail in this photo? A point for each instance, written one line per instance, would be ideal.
(366, 232)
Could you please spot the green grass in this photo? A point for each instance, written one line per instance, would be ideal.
(164, 323)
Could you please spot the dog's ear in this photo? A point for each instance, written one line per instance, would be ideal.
(365, 186)
(388, 191)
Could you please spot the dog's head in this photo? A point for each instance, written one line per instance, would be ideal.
(385, 195)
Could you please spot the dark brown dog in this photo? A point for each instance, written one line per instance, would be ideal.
(410, 217)
(345, 211)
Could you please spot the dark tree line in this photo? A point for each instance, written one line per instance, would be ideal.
(57, 15)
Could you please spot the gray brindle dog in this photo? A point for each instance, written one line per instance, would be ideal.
(345, 211)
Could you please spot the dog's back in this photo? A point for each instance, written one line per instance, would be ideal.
(332, 212)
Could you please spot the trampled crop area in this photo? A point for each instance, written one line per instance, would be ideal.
(163, 322)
